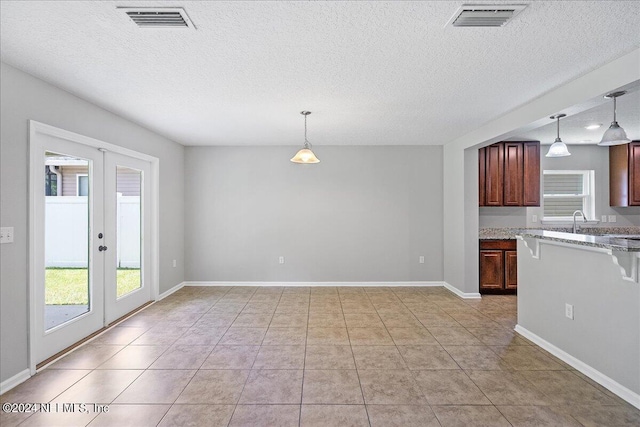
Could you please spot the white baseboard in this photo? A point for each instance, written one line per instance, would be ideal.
(15, 380)
(170, 291)
(597, 376)
(301, 284)
(458, 292)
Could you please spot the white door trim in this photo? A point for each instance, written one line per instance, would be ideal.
(36, 128)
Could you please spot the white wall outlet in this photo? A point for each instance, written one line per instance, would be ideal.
(281, 260)
(568, 311)
(604, 218)
(6, 234)
(421, 259)
(612, 218)
(534, 218)
(175, 263)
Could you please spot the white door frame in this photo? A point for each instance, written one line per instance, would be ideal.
(36, 129)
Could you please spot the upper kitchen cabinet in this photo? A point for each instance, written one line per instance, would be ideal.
(624, 174)
(509, 174)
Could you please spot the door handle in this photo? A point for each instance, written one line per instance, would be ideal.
(102, 248)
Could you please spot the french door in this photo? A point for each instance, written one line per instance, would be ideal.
(127, 225)
(90, 243)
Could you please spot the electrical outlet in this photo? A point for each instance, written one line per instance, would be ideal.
(534, 218)
(568, 311)
(612, 218)
(281, 260)
(6, 234)
(175, 263)
(604, 218)
(421, 259)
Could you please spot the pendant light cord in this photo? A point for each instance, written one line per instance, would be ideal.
(614, 109)
(307, 144)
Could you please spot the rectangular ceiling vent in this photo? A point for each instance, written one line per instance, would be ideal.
(163, 17)
(485, 15)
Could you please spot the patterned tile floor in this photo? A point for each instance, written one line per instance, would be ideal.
(347, 356)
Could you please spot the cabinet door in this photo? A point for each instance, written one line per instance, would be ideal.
(494, 160)
(510, 269)
(531, 184)
(482, 182)
(619, 175)
(634, 173)
(491, 269)
(513, 174)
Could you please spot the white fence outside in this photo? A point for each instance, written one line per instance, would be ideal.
(66, 225)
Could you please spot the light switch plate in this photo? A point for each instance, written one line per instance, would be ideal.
(6, 235)
(534, 218)
(612, 218)
(281, 260)
(604, 218)
(421, 259)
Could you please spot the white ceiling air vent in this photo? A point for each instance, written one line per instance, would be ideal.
(471, 15)
(162, 17)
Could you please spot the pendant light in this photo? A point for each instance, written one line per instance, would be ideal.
(305, 155)
(558, 148)
(615, 135)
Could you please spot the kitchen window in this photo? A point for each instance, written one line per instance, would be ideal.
(566, 191)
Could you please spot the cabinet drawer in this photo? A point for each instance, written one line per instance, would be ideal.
(498, 244)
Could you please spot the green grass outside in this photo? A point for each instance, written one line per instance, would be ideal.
(69, 285)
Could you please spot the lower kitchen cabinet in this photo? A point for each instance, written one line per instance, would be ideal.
(498, 266)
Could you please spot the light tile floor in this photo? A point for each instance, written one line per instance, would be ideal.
(346, 356)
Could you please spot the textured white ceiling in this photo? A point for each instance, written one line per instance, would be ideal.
(371, 72)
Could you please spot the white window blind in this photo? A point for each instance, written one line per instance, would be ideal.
(566, 192)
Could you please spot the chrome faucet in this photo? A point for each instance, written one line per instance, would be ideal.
(575, 226)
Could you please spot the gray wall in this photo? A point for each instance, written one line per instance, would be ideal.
(362, 214)
(582, 157)
(24, 97)
(605, 331)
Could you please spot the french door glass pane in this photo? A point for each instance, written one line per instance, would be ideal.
(128, 229)
(67, 283)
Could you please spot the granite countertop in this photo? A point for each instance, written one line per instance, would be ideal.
(606, 242)
(508, 233)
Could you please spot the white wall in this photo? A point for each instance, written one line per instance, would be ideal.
(582, 157)
(23, 97)
(362, 214)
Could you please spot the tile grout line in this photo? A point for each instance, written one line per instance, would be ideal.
(254, 361)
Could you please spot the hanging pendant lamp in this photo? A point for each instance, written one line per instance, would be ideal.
(305, 155)
(558, 148)
(615, 135)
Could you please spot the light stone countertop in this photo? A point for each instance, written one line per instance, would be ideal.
(606, 242)
(507, 233)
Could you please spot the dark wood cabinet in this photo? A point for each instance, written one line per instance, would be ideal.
(494, 160)
(510, 269)
(498, 266)
(624, 174)
(509, 174)
(513, 174)
(531, 173)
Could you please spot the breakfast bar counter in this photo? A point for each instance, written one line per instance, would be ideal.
(579, 299)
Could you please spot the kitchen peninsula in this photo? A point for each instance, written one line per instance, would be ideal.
(579, 298)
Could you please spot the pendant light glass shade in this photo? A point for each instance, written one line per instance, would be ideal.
(615, 135)
(305, 155)
(558, 148)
